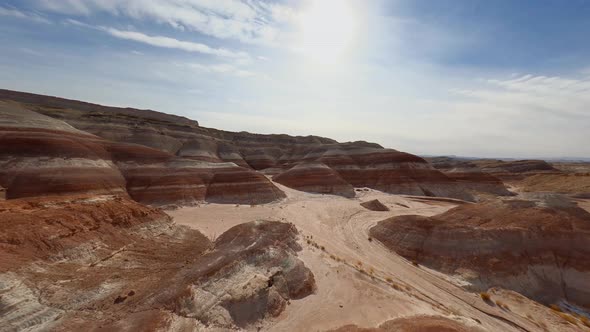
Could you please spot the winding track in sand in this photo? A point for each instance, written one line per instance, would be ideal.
(345, 295)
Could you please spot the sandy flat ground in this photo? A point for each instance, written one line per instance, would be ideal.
(345, 295)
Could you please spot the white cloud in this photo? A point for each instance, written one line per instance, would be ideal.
(167, 42)
(250, 21)
(525, 116)
(557, 96)
(70, 21)
(222, 68)
(23, 15)
(164, 42)
(29, 51)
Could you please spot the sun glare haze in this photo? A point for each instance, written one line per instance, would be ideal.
(328, 29)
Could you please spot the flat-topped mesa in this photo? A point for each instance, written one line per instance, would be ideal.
(41, 156)
(515, 166)
(515, 169)
(537, 247)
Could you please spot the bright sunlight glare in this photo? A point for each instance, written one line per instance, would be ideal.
(328, 29)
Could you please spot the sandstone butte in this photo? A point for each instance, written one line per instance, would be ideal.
(165, 159)
(537, 247)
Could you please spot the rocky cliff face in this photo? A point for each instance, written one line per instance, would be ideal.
(536, 247)
(103, 262)
(358, 164)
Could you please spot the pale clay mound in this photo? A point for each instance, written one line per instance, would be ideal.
(345, 296)
(375, 205)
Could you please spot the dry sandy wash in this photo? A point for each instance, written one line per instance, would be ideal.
(359, 281)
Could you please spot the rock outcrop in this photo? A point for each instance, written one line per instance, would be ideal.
(104, 262)
(536, 247)
(375, 205)
(358, 164)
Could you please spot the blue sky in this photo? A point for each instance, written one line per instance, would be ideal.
(479, 78)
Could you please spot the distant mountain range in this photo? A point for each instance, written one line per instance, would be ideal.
(553, 159)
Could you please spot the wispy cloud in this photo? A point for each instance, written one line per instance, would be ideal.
(524, 116)
(23, 15)
(222, 68)
(167, 42)
(558, 96)
(29, 51)
(163, 41)
(251, 21)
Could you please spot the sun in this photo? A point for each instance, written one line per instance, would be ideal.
(328, 29)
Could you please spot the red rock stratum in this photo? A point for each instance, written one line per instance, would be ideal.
(88, 262)
(41, 156)
(309, 163)
(536, 247)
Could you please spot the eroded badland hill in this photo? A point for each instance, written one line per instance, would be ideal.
(118, 219)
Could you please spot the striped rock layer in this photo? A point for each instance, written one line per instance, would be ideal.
(41, 156)
(537, 248)
(303, 160)
(88, 262)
